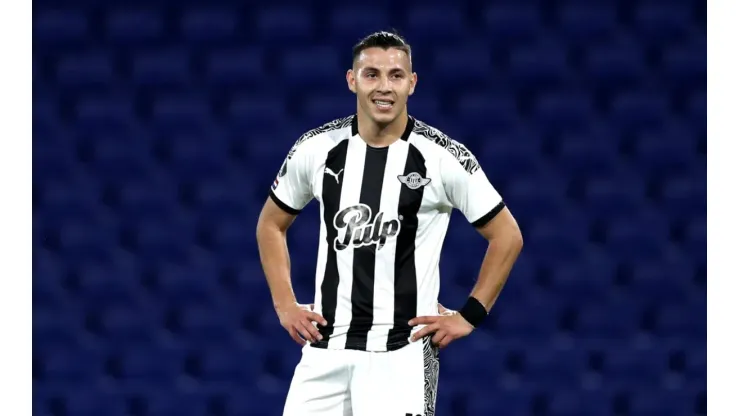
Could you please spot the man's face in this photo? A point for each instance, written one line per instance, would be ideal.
(383, 81)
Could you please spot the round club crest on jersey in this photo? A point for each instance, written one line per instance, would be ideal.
(414, 180)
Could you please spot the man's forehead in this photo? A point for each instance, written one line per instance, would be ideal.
(383, 58)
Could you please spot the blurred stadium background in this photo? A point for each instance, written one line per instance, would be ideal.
(159, 127)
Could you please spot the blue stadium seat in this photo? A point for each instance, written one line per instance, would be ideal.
(50, 327)
(685, 64)
(47, 291)
(137, 364)
(636, 110)
(58, 163)
(539, 318)
(81, 70)
(577, 280)
(422, 16)
(312, 68)
(45, 117)
(255, 110)
(235, 66)
(226, 364)
(134, 26)
(558, 111)
(527, 195)
(115, 158)
(606, 197)
(636, 238)
(197, 156)
(579, 402)
(159, 239)
(103, 113)
(511, 401)
(698, 113)
(209, 25)
(280, 25)
(315, 106)
(663, 280)
(73, 365)
(631, 366)
(55, 26)
(658, 155)
(507, 153)
(130, 324)
(589, 153)
(216, 199)
(508, 23)
(158, 67)
(697, 363)
(561, 240)
(542, 64)
(616, 64)
(556, 367)
(662, 22)
(684, 197)
(204, 325)
(481, 110)
(85, 239)
(595, 320)
(696, 238)
(354, 21)
(587, 22)
(102, 283)
(664, 403)
(68, 201)
(84, 403)
(681, 320)
(181, 112)
(145, 199)
(462, 66)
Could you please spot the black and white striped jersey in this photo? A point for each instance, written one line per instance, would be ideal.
(385, 213)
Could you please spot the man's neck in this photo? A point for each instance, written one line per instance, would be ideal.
(376, 135)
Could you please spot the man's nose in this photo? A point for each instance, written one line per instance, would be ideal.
(384, 85)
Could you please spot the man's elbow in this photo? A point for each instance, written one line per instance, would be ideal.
(516, 240)
(504, 232)
(273, 219)
(509, 239)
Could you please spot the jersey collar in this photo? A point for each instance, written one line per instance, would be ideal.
(406, 133)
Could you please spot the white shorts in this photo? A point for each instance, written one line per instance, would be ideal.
(360, 383)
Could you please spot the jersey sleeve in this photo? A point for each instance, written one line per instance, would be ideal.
(291, 190)
(468, 189)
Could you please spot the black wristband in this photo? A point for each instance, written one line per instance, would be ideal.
(474, 312)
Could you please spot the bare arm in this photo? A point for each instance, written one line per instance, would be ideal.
(505, 242)
(504, 245)
(272, 228)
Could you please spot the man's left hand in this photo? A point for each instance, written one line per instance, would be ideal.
(445, 328)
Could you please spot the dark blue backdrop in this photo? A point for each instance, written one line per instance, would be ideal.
(159, 127)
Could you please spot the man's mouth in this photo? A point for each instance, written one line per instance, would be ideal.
(383, 104)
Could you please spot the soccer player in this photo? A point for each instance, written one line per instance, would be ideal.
(387, 184)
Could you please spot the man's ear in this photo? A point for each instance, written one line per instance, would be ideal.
(414, 80)
(351, 81)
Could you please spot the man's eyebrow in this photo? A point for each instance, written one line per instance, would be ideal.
(372, 68)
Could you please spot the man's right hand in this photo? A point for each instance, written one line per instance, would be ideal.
(298, 320)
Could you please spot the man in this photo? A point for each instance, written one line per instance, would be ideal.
(386, 184)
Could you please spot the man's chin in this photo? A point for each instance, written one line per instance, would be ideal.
(383, 118)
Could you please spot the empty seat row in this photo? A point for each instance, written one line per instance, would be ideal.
(621, 63)
(654, 20)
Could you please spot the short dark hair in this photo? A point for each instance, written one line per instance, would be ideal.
(382, 39)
